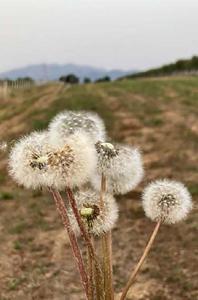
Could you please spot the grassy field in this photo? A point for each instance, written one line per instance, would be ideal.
(157, 115)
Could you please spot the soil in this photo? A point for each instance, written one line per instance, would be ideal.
(35, 255)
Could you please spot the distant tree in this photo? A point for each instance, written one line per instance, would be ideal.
(103, 79)
(180, 65)
(194, 62)
(87, 80)
(70, 78)
(28, 79)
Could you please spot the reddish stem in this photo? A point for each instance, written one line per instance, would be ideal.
(73, 241)
(86, 237)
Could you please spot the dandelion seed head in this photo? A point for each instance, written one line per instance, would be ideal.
(96, 219)
(105, 151)
(61, 158)
(28, 160)
(70, 122)
(73, 164)
(121, 165)
(166, 200)
(34, 162)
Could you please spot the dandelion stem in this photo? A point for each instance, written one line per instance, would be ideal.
(107, 250)
(86, 237)
(141, 261)
(73, 241)
(90, 273)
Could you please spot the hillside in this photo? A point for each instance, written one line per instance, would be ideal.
(182, 66)
(157, 115)
(54, 71)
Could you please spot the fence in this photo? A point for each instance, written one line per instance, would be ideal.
(8, 86)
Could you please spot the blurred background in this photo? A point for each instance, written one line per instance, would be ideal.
(135, 63)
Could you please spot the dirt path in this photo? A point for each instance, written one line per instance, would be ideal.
(16, 123)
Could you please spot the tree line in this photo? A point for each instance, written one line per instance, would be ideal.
(67, 79)
(187, 66)
(73, 79)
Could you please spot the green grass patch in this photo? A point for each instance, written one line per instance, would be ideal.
(17, 245)
(154, 122)
(15, 283)
(193, 189)
(18, 228)
(6, 196)
(76, 98)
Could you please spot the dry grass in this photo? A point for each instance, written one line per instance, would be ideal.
(159, 116)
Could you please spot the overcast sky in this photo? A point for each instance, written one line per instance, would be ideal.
(126, 34)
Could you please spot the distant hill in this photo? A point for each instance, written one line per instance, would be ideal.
(54, 71)
(182, 66)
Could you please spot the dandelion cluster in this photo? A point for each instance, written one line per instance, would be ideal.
(73, 158)
(34, 162)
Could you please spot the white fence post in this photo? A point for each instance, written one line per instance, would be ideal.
(5, 89)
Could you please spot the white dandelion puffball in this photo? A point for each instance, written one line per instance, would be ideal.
(28, 160)
(72, 164)
(70, 122)
(34, 162)
(96, 219)
(166, 200)
(121, 165)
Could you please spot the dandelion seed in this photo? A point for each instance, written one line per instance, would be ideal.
(166, 200)
(70, 122)
(121, 165)
(97, 220)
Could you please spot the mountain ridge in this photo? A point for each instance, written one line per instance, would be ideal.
(54, 71)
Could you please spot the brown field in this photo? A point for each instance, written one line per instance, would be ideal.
(157, 115)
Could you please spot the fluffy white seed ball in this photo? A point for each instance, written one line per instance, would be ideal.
(166, 200)
(27, 161)
(122, 166)
(73, 164)
(70, 122)
(34, 162)
(97, 220)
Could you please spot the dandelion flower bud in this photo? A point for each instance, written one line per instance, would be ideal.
(96, 219)
(122, 166)
(73, 164)
(28, 160)
(70, 122)
(166, 200)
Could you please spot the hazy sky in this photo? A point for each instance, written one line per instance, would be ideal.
(127, 34)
